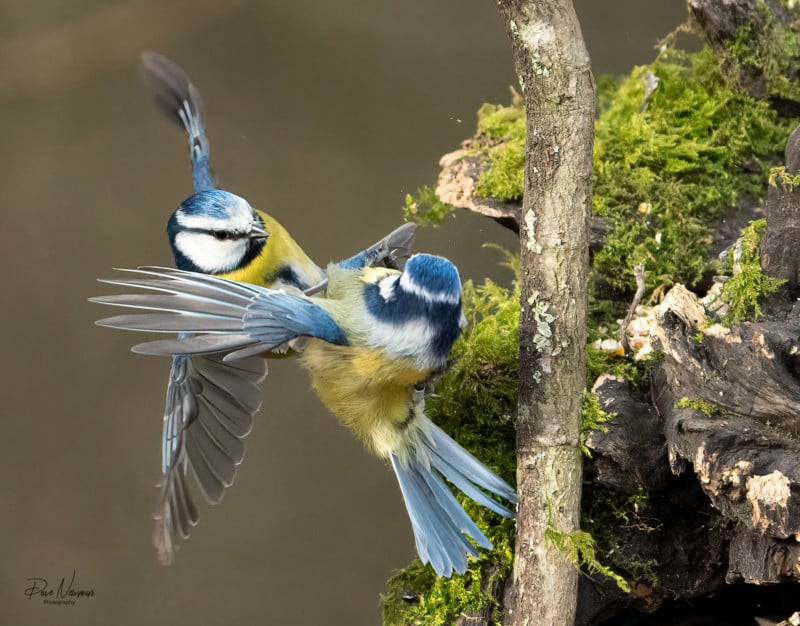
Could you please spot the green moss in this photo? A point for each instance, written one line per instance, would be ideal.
(603, 509)
(641, 570)
(592, 418)
(499, 142)
(403, 593)
(778, 176)
(425, 207)
(705, 407)
(662, 176)
(600, 362)
(580, 548)
(497, 122)
(748, 284)
(771, 51)
(417, 596)
(474, 403)
(501, 139)
(479, 392)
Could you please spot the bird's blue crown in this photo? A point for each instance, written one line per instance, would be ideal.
(213, 203)
(427, 292)
(432, 278)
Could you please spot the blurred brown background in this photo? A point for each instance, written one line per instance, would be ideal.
(324, 114)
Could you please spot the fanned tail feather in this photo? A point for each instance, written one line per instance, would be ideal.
(442, 529)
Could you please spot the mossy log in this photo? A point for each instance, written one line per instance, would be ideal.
(722, 471)
(714, 440)
(746, 36)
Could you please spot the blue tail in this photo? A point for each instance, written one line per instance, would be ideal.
(180, 101)
(442, 529)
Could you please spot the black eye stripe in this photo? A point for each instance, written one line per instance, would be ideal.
(223, 235)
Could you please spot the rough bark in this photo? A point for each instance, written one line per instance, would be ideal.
(554, 72)
(744, 445)
(673, 545)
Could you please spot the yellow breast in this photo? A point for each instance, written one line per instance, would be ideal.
(369, 393)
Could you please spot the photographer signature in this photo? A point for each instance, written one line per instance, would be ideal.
(65, 594)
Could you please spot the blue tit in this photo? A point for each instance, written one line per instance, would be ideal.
(210, 403)
(370, 346)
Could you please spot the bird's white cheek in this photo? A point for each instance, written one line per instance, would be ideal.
(209, 254)
(411, 339)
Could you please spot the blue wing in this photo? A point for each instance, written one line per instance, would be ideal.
(180, 101)
(442, 529)
(238, 319)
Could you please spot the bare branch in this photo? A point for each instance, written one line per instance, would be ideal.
(638, 273)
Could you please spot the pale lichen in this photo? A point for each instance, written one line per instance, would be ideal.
(530, 228)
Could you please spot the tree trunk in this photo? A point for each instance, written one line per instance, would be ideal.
(554, 72)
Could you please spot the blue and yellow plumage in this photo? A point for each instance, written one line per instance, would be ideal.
(371, 347)
(210, 404)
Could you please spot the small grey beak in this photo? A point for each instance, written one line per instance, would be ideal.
(256, 232)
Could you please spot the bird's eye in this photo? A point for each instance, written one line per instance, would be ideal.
(220, 235)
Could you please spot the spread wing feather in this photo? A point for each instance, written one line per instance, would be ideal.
(237, 316)
(209, 408)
